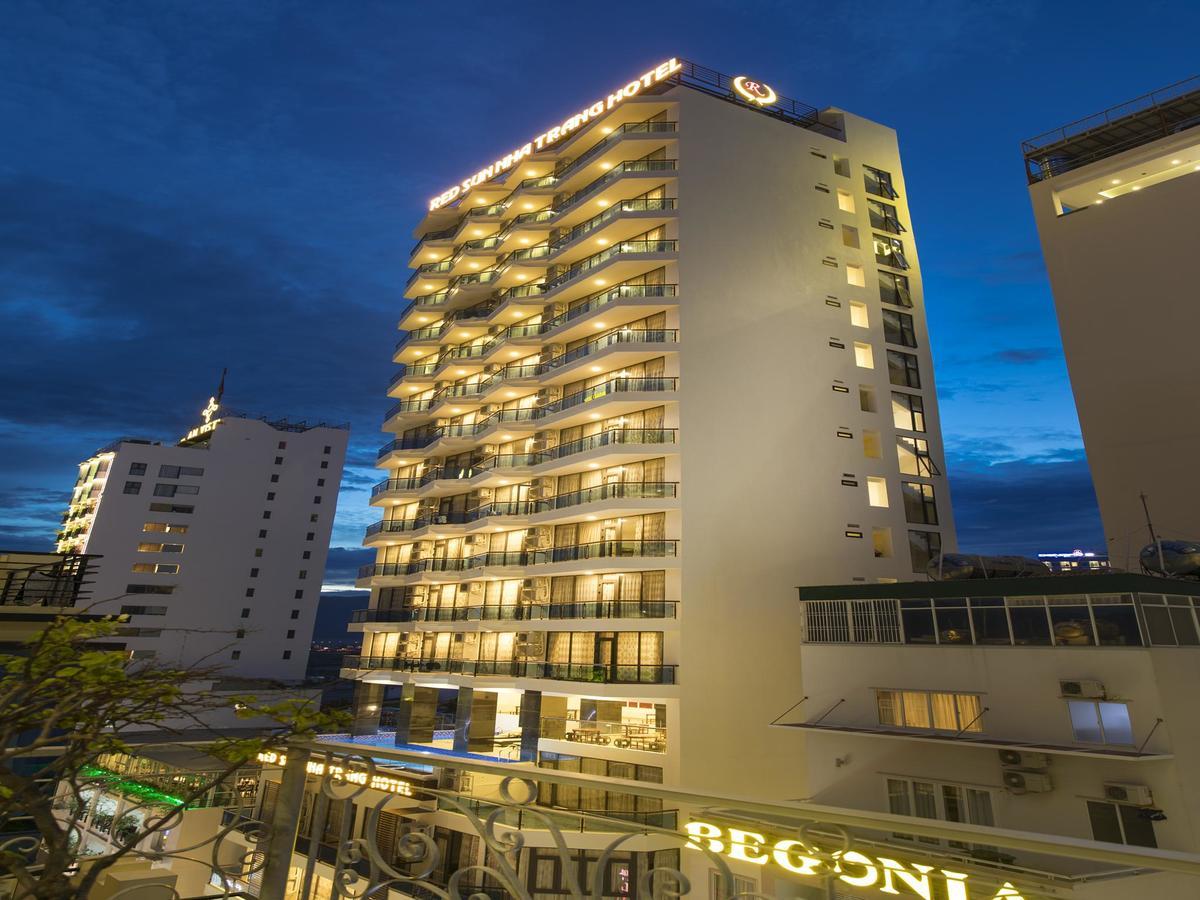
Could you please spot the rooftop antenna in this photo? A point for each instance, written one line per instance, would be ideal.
(221, 386)
(1162, 564)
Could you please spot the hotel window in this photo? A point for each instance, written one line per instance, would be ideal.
(133, 487)
(159, 548)
(176, 471)
(863, 357)
(170, 490)
(866, 398)
(920, 506)
(143, 610)
(923, 546)
(898, 328)
(149, 588)
(1119, 823)
(1100, 722)
(742, 886)
(845, 201)
(855, 276)
(167, 527)
(893, 289)
(850, 237)
(137, 468)
(872, 447)
(841, 166)
(157, 568)
(937, 800)
(902, 369)
(879, 182)
(881, 540)
(908, 412)
(172, 508)
(877, 491)
(883, 216)
(858, 314)
(889, 251)
(914, 457)
(930, 710)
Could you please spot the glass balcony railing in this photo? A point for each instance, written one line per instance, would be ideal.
(409, 406)
(443, 235)
(633, 673)
(644, 204)
(395, 484)
(628, 167)
(618, 385)
(616, 549)
(409, 442)
(623, 336)
(571, 166)
(621, 248)
(522, 612)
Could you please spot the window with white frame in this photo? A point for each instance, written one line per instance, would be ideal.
(1120, 823)
(939, 800)
(1100, 722)
(930, 710)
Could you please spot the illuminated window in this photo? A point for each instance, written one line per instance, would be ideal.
(889, 251)
(872, 446)
(156, 569)
(908, 411)
(936, 800)
(877, 491)
(914, 457)
(858, 314)
(168, 527)
(159, 548)
(863, 357)
(845, 201)
(930, 710)
(855, 276)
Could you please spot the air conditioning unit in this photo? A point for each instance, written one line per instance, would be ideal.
(1024, 759)
(1137, 794)
(441, 520)
(1092, 690)
(1021, 782)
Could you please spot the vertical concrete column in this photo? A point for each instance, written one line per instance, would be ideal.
(285, 820)
(404, 713)
(462, 719)
(368, 704)
(531, 725)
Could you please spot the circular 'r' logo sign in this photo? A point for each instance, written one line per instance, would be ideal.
(754, 91)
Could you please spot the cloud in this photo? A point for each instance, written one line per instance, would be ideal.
(1026, 355)
(342, 567)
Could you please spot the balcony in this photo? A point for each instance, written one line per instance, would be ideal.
(623, 336)
(620, 385)
(522, 612)
(594, 673)
(629, 167)
(444, 235)
(623, 248)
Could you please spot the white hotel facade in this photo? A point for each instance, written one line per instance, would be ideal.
(655, 366)
(215, 545)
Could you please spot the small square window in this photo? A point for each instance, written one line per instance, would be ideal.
(841, 165)
(266, 514)
(295, 613)
(320, 482)
(307, 554)
(877, 494)
(855, 276)
(279, 460)
(328, 449)
(283, 445)
(303, 573)
(241, 633)
(858, 315)
(275, 478)
(137, 468)
(133, 487)
(324, 464)
(310, 536)
(863, 357)
(881, 538)
(866, 398)
(313, 517)
(236, 654)
(245, 612)
(299, 595)
(249, 592)
(270, 495)
(317, 499)
(262, 532)
(258, 552)
(287, 654)
(850, 236)
(254, 573)
(845, 201)
(291, 633)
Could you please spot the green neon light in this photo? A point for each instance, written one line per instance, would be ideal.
(129, 787)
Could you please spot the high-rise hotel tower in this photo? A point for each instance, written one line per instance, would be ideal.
(657, 366)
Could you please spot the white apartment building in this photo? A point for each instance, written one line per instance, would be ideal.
(656, 364)
(1054, 705)
(1114, 196)
(215, 546)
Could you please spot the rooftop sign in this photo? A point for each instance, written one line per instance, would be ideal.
(551, 136)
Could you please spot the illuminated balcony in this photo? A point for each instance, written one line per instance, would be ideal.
(520, 612)
(597, 673)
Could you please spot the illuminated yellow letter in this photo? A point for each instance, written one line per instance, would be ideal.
(870, 874)
(704, 830)
(1008, 892)
(919, 886)
(741, 843)
(956, 888)
(800, 864)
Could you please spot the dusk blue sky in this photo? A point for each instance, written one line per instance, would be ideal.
(187, 186)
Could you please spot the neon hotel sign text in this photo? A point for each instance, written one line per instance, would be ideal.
(885, 875)
(547, 138)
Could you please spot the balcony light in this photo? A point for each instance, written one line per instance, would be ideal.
(505, 437)
(1116, 181)
(595, 368)
(413, 387)
(513, 354)
(526, 206)
(456, 409)
(427, 287)
(503, 481)
(1176, 162)
(601, 282)
(432, 256)
(599, 324)
(606, 165)
(530, 173)
(422, 318)
(521, 278)
(480, 202)
(606, 130)
(593, 465)
(460, 371)
(510, 393)
(1136, 187)
(595, 416)
(590, 518)
(523, 241)
(463, 335)
(474, 265)
(478, 232)
(1098, 202)
(602, 241)
(602, 203)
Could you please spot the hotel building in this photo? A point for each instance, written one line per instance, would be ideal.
(1114, 196)
(1056, 705)
(214, 546)
(655, 365)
